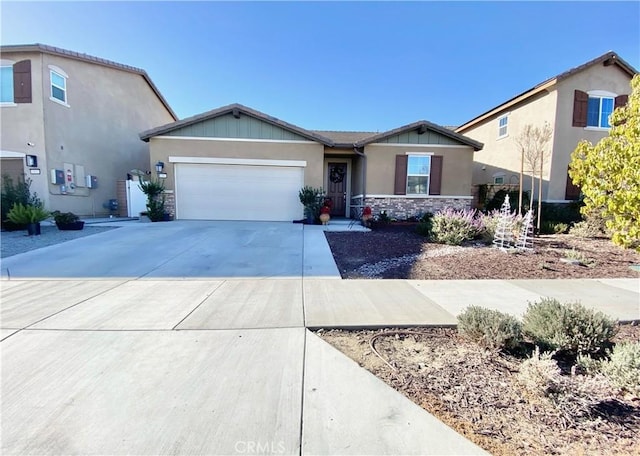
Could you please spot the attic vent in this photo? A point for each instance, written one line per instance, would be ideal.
(236, 113)
(422, 129)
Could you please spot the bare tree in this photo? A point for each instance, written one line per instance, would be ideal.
(532, 142)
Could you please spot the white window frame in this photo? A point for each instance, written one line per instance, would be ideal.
(600, 94)
(414, 154)
(505, 126)
(58, 72)
(499, 176)
(8, 64)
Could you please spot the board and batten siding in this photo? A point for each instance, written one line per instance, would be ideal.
(245, 127)
(428, 137)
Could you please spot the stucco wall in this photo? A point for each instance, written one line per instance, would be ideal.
(598, 77)
(22, 123)
(457, 164)
(502, 155)
(108, 108)
(313, 153)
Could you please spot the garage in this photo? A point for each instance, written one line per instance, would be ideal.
(232, 189)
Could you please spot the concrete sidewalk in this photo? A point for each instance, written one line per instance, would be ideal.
(227, 366)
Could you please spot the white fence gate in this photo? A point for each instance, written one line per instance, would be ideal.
(136, 199)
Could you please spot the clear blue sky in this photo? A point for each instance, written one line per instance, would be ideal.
(337, 65)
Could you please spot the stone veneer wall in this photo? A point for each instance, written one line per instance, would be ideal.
(170, 204)
(403, 208)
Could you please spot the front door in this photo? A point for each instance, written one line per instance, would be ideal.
(337, 187)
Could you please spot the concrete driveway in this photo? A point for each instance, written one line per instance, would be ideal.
(183, 249)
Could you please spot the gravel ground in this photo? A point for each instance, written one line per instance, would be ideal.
(15, 242)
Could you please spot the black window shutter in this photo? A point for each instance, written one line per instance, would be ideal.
(621, 100)
(22, 82)
(580, 103)
(400, 187)
(435, 178)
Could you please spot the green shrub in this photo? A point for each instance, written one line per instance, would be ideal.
(567, 327)
(561, 212)
(453, 227)
(490, 328)
(425, 225)
(155, 198)
(496, 202)
(23, 215)
(312, 199)
(549, 227)
(623, 367)
(13, 193)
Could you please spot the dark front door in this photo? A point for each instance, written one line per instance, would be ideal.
(337, 187)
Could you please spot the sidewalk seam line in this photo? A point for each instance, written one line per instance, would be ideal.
(197, 306)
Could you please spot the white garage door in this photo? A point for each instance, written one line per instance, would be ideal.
(238, 192)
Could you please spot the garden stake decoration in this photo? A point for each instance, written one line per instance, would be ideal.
(525, 239)
(503, 239)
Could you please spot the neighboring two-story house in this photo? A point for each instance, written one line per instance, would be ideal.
(70, 123)
(576, 104)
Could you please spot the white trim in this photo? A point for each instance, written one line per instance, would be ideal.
(605, 129)
(348, 161)
(11, 154)
(7, 104)
(238, 161)
(59, 102)
(601, 94)
(58, 70)
(7, 62)
(208, 138)
(428, 146)
(420, 153)
(565, 201)
(415, 196)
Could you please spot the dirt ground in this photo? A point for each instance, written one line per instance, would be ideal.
(476, 392)
(398, 252)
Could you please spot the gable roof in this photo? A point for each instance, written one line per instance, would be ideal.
(236, 107)
(607, 59)
(46, 49)
(421, 125)
(345, 139)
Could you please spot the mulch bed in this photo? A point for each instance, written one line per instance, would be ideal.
(398, 252)
(476, 392)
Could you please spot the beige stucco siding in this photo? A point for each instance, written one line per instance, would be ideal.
(107, 108)
(611, 79)
(457, 163)
(501, 156)
(161, 148)
(22, 123)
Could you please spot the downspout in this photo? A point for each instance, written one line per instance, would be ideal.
(360, 151)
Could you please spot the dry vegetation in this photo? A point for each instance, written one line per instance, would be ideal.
(479, 393)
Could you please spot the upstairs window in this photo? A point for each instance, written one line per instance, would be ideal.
(6, 84)
(503, 126)
(58, 87)
(15, 82)
(598, 111)
(592, 109)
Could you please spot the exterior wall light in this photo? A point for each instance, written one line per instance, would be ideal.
(31, 161)
(159, 167)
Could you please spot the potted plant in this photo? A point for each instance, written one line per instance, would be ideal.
(67, 221)
(325, 211)
(29, 215)
(310, 198)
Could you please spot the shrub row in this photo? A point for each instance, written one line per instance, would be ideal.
(570, 328)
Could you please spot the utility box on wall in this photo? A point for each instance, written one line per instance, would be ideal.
(92, 181)
(57, 177)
